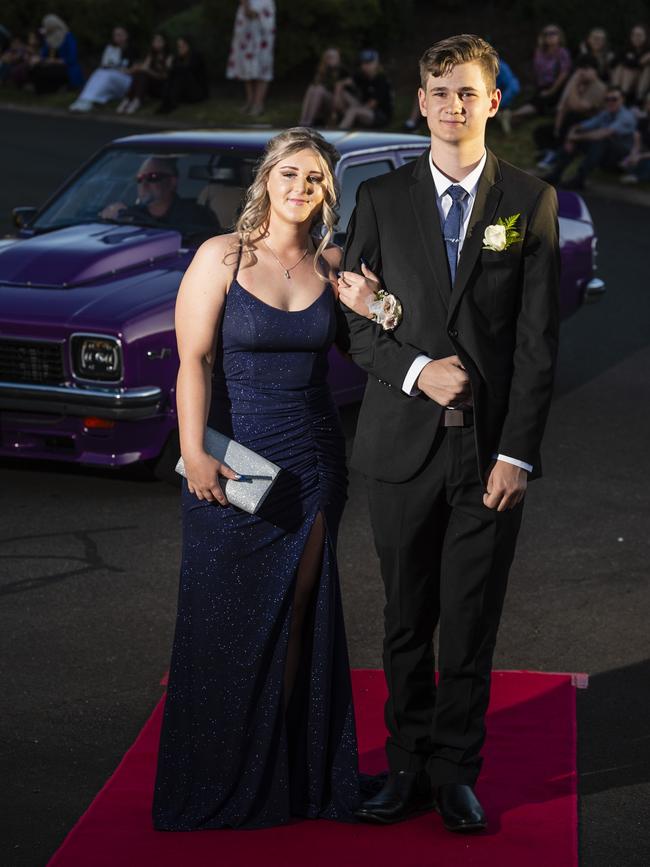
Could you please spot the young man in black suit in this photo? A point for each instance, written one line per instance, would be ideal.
(452, 419)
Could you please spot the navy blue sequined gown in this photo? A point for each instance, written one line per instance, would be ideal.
(229, 757)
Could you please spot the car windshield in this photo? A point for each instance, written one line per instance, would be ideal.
(196, 193)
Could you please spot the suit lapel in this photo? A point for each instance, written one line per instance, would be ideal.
(488, 196)
(427, 217)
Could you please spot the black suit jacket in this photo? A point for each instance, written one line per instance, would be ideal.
(500, 316)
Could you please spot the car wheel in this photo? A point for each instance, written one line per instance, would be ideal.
(162, 467)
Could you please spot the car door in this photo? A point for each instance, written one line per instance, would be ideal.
(352, 171)
(346, 379)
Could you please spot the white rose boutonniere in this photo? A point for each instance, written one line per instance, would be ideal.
(502, 234)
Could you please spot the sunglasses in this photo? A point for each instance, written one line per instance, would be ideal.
(152, 177)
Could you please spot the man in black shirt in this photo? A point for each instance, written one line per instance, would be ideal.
(366, 99)
(158, 202)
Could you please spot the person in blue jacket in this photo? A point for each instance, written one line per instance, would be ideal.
(508, 84)
(58, 65)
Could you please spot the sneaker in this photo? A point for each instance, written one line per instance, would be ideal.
(133, 106)
(122, 107)
(547, 160)
(629, 179)
(81, 105)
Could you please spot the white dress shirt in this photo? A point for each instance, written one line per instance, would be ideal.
(444, 201)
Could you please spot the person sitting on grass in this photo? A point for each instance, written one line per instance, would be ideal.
(58, 65)
(637, 162)
(148, 78)
(111, 80)
(596, 45)
(632, 67)
(605, 140)
(551, 66)
(365, 99)
(18, 58)
(187, 80)
(318, 101)
(582, 98)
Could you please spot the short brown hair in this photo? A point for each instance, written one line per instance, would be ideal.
(441, 58)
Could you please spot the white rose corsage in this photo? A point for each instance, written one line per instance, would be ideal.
(386, 310)
(501, 235)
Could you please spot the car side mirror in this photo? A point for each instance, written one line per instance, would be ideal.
(23, 216)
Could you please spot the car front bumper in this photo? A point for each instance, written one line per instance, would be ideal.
(52, 423)
(110, 403)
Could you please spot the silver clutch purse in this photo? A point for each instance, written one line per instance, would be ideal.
(257, 473)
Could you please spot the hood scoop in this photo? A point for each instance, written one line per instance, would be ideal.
(84, 254)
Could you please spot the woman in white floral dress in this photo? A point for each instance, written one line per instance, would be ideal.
(251, 52)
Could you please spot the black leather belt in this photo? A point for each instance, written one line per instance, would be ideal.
(457, 418)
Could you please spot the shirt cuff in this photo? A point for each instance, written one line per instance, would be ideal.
(522, 464)
(408, 386)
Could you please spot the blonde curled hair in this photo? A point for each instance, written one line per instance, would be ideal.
(255, 213)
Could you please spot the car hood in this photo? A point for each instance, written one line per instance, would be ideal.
(78, 255)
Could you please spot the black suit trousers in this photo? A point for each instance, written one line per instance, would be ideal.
(445, 559)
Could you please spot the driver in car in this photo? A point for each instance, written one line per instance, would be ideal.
(157, 180)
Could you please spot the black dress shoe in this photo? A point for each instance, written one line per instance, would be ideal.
(404, 794)
(459, 807)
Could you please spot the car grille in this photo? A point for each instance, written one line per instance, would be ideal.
(31, 361)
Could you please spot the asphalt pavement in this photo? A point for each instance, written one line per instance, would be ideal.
(89, 564)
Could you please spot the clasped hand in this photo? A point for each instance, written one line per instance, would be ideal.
(357, 291)
(202, 473)
(446, 381)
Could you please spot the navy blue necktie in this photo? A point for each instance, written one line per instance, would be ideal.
(452, 225)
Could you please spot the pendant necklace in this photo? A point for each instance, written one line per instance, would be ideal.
(287, 271)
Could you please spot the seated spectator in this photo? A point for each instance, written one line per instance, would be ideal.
(187, 80)
(508, 84)
(551, 67)
(637, 163)
(583, 97)
(158, 201)
(596, 45)
(365, 99)
(147, 78)
(18, 58)
(631, 70)
(58, 65)
(111, 80)
(605, 140)
(318, 101)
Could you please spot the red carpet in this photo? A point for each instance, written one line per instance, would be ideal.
(528, 788)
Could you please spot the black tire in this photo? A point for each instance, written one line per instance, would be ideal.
(162, 467)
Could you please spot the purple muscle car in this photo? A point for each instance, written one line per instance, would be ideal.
(88, 355)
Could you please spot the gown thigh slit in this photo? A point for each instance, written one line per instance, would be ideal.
(308, 572)
(231, 755)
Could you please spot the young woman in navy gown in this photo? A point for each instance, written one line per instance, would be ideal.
(258, 724)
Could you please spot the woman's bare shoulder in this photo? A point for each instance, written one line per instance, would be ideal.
(218, 249)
